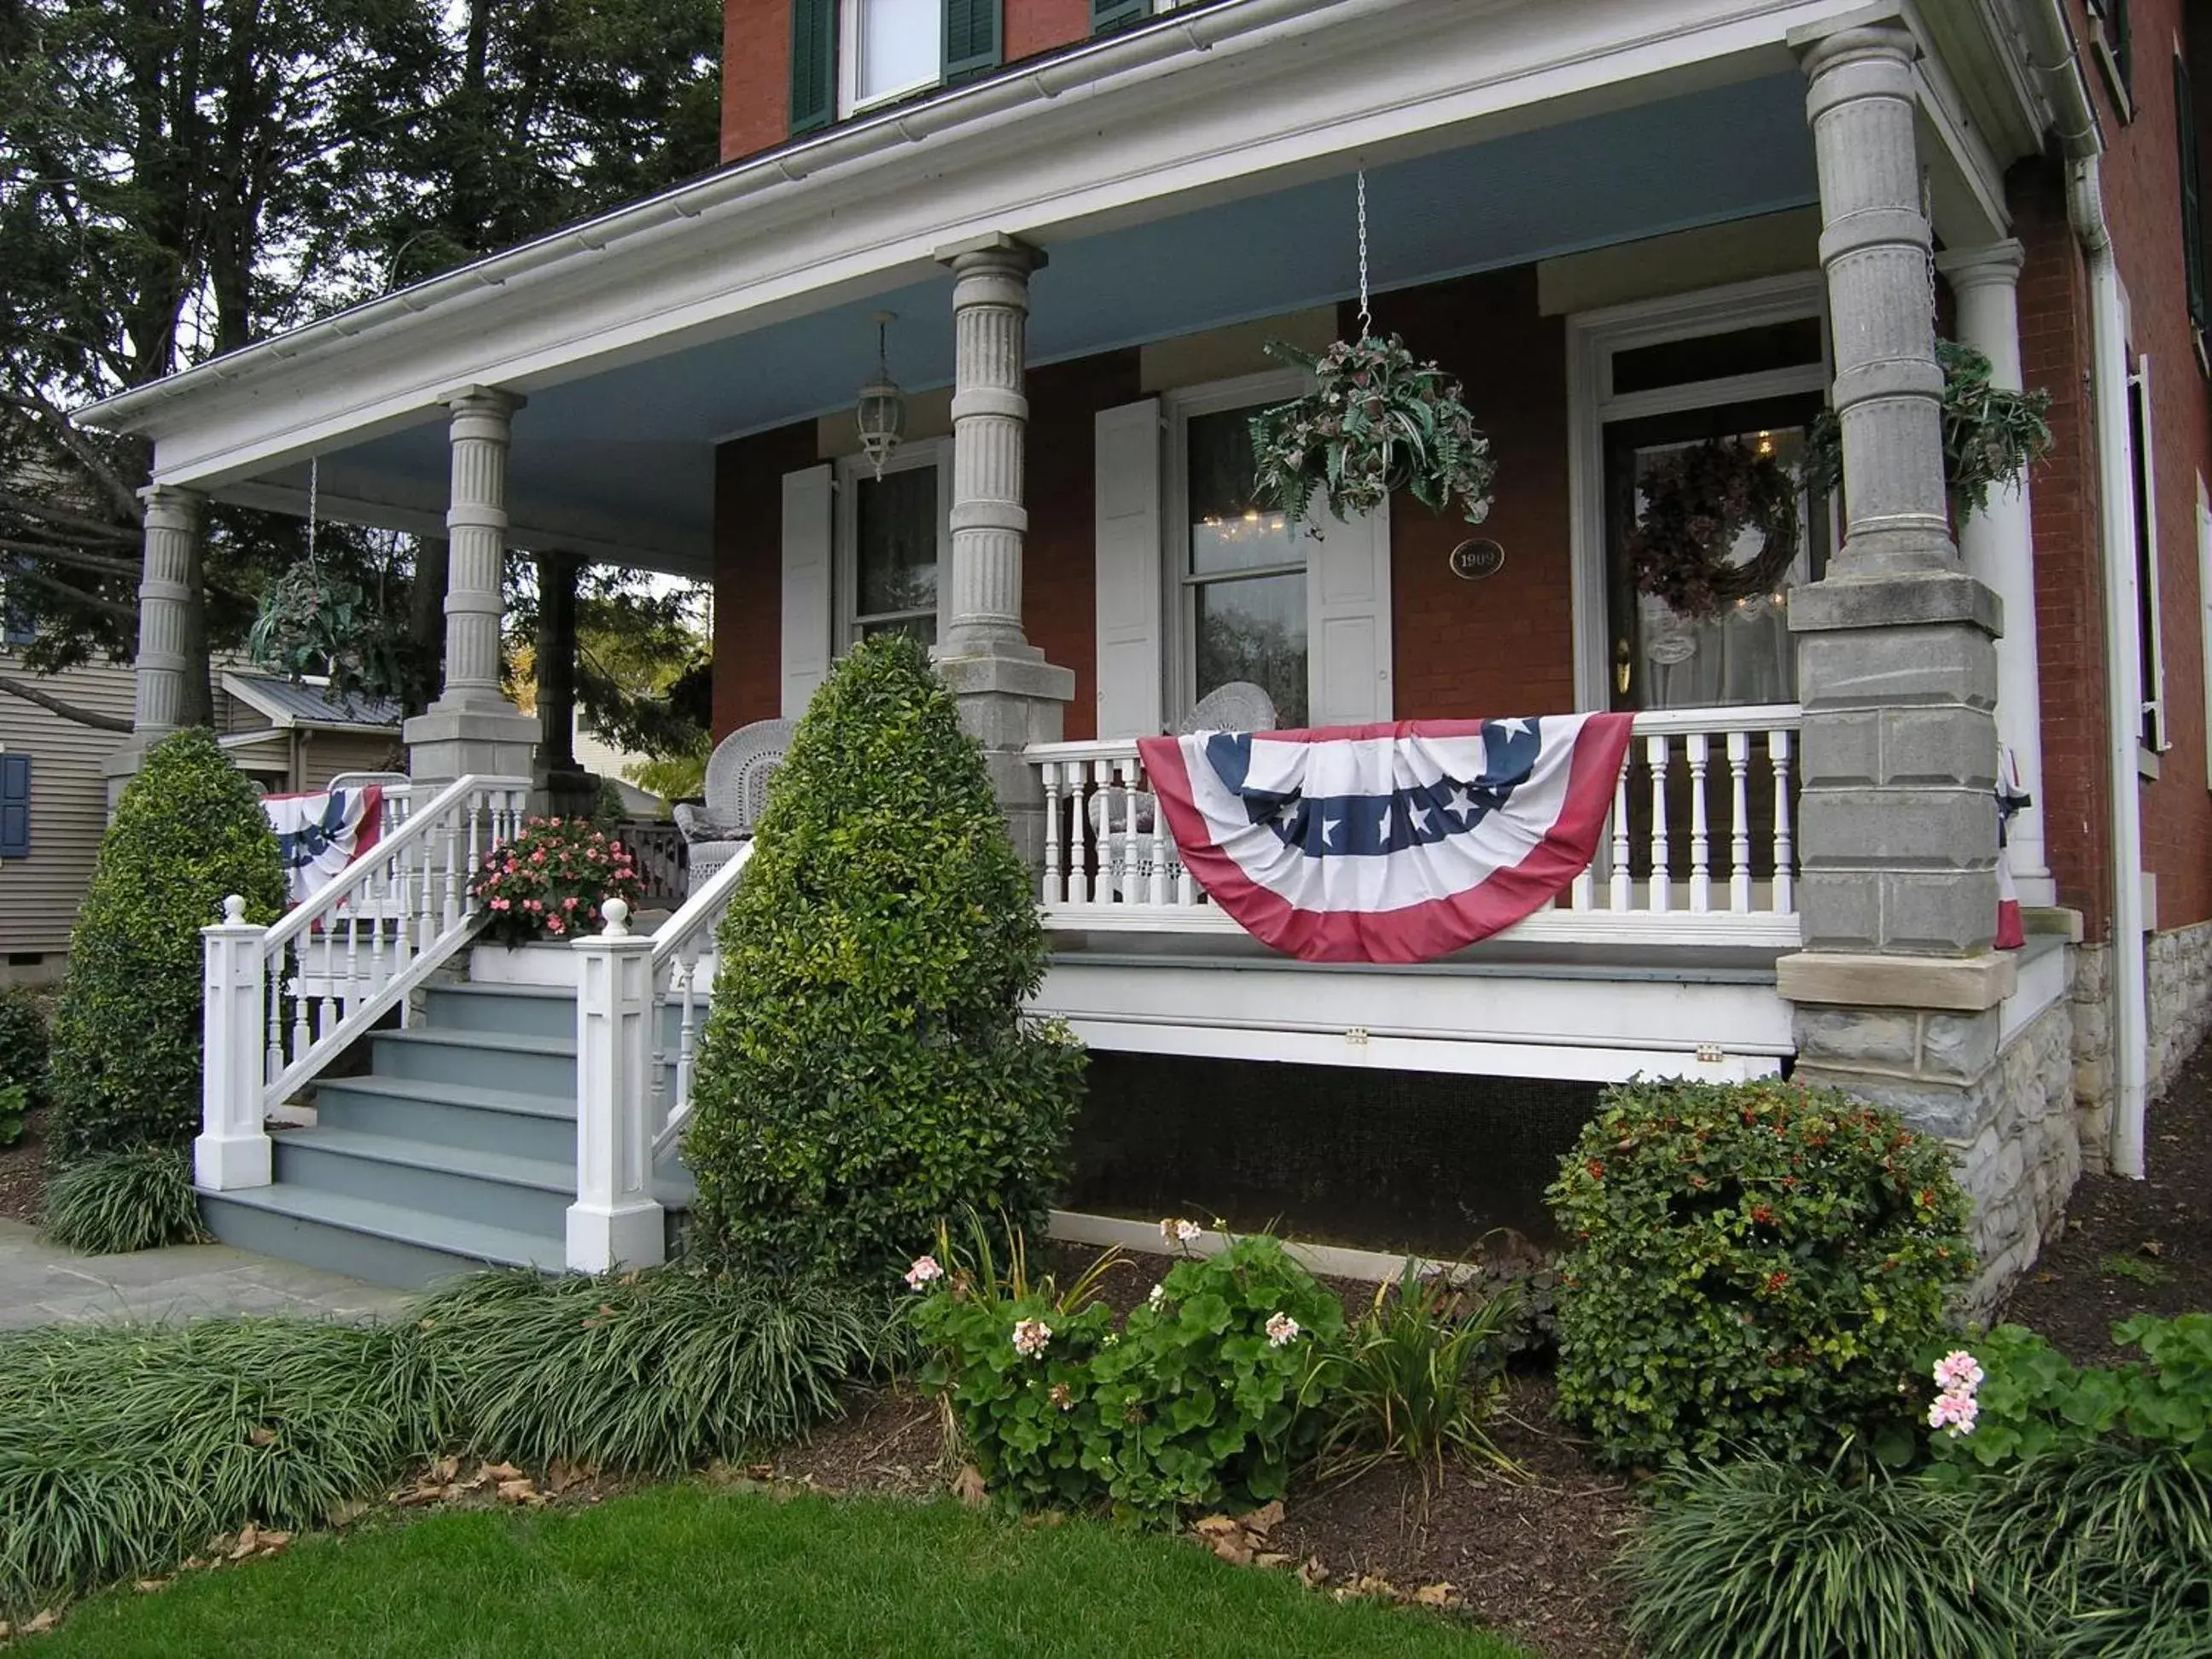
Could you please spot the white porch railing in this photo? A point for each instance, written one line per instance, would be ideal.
(282, 1002)
(683, 980)
(1697, 849)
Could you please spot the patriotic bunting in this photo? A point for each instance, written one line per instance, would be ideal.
(318, 835)
(1392, 842)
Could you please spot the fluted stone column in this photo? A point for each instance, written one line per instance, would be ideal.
(472, 727)
(1897, 989)
(170, 629)
(1009, 695)
(1998, 545)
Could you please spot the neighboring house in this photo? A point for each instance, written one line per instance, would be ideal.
(1626, 225)
(54, 795)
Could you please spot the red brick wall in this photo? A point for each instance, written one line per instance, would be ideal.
(755, 75)
(757, 61)
(749, 572)
(1059, 568)
(2054, 327)
(1504, 645)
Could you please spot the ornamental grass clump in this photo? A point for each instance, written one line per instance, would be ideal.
(138, 1199)
(1751, 1268)
(867, 1069)
(1789, 1562)
(126, 1067)
(552, 879)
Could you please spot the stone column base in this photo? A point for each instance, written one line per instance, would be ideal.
(1008, 702)
(567, 792)
(446, 744)
(118, 767)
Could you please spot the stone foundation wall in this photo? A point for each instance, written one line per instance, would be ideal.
(2007, 1111)
(2023, 1160)
(2091, 1001)
(2180, 995)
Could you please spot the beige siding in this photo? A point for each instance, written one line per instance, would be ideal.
(329, 753)
(38, 895)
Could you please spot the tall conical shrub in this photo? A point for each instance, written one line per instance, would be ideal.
(867, 1068)
(188, 831)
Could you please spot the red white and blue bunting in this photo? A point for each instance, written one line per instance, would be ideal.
(318, 835)
(1392, 842)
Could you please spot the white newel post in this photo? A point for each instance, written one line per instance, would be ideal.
(232, 1148)
(1998, 545)
(615, 1221)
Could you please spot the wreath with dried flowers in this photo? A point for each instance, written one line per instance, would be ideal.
(1697, 502)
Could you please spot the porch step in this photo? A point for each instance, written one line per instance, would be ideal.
(386, 1244)
(478, 1060)
(451, 1114)
(514, 1194)
(533, 1011)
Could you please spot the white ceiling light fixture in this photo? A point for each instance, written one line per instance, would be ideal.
(881, 411)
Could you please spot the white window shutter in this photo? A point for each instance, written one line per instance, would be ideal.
(1348, 618)
(806, 543)
(1128, 545)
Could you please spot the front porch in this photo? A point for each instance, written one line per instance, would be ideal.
(1621, 243)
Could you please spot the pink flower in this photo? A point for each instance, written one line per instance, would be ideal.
(499, 904)
(1957, 1373)
(1030, 1336)
(532, 904)
(925, 1271)
(1953, 1411)
(568, 904)
(1176, 1230)
(557, 924)
(1281, 1328)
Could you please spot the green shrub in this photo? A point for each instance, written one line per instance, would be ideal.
(137, 1200)
(1753, 1267)
(23, 1055)
(126, 1041)
(651, 1372)
(1417, 1376)
(15, 1104)
(866, 1069)
(1787, 1562)
(1203, 1396)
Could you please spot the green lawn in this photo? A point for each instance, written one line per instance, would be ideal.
(682, 1570)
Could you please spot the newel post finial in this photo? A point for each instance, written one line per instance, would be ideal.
(617, 913)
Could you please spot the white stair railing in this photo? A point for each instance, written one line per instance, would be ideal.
(282, 1002)
(683, 980)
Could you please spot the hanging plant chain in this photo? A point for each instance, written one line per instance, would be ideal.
(1366, 321)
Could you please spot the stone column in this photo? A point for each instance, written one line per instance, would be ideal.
(1896, 989)
(568, 790)
(472, 727)
(169, 629)
(1998, 545)
(1009, 695)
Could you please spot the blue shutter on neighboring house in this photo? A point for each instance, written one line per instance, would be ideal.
(813, 64)
(15, 806)
(971, 37)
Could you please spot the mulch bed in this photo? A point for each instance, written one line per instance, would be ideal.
(23, 1172)
(2133, 1247)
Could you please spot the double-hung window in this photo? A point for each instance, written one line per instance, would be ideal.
(895, 558)
(848, 57)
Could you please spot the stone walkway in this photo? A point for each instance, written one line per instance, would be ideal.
(41, 1284)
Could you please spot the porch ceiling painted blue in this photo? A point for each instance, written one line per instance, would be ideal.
(638, 441)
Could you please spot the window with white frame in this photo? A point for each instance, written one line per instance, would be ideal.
(2151, 659)
(895, 546)
(2204, 611)
(1238, 569)
(892, 47)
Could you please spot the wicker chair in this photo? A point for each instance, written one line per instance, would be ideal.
(1239, 706)
(737, 793)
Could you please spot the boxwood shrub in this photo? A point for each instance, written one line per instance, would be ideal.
(1750, 1267)
(867, 1070)
(188, 831)
(22, 1047)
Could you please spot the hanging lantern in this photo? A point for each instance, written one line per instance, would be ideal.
(881, 410)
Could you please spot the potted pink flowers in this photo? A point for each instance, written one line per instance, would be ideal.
(550, 880)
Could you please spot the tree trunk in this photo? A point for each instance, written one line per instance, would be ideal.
(426, 622)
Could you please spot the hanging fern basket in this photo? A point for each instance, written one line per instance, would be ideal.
(314, 621)
(1375, 422)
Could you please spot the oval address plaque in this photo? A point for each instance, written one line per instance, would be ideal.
(1472, 560)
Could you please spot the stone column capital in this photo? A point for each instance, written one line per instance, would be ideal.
(490, 400)
(1998, 265)
(1873, 35)
(993, 252)
(173, 500)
